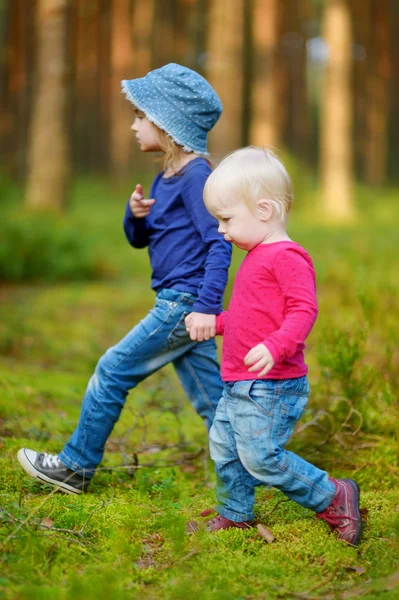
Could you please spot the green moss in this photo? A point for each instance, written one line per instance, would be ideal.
(136, 546)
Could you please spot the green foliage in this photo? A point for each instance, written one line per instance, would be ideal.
(79, 245)
(127, 537)
(42, 248)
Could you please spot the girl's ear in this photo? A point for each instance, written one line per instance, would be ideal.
(265, 209)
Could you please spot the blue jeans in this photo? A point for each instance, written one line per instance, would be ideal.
(253, 422)
(160, 338)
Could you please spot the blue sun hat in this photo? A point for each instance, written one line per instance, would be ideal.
(179, 101)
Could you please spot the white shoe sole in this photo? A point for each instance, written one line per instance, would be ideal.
(31, 470)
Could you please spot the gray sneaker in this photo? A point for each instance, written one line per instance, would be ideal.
(48, 468)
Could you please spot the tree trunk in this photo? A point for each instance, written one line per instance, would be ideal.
(298, 113)
(377, 97)
(362, 34)
(225, 70)
(265, 106)
(143, 27)
(122, 115)
(336, 115)
(15, 85)
(163, 33)
(88, 103)
(394, 96)
(49, 147)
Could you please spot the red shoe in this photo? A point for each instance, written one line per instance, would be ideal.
(219, 522)
(343, 514)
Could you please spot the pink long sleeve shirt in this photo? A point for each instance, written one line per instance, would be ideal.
(273, 303)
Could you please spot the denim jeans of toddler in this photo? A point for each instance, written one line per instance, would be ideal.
(253, 422)
(158, 339)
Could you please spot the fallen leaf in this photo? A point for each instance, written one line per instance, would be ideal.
(154, 541)
(392, 582)
(46, 523)
(358, 570)
(145, 562)
(266, 534)
(364, 513)
(192, 527)
(189, 469)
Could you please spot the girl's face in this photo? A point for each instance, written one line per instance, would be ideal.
(241, 226)
(146, 134)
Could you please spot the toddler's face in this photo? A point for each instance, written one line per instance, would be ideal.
(241, 226)
(146, 134)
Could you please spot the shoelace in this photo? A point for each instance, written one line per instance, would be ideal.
(216, 519)
(334, 518)
(51, 461)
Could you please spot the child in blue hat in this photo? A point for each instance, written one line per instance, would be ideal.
(175, 108)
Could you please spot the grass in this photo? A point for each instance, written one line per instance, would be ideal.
(127, 538)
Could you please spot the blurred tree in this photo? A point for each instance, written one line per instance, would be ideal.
(91, 63)
(393, 130)
(362, 28)
(143, 28)
(49, 140)
(377, 85)
(104, 86)
(224, 70)
(144, 14)
(189, 33)
(16, 76)
(336, 114)
(295, 19)
(163, 32)
(265, 107)
(121, 68)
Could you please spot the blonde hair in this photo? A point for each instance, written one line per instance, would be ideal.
(172, 151)
(250, 174)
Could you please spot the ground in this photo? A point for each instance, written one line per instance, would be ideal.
(127, 538)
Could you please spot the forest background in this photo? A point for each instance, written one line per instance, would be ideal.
(319, 81)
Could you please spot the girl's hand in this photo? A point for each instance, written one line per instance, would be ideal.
(260, 359)
(140, 207)
(200, 327)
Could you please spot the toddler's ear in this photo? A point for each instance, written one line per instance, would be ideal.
(265, 209)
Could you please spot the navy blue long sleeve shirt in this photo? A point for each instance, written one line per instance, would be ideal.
(186, 251)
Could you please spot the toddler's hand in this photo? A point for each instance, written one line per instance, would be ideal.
(200, 327)
(140, 207)
(260, 358)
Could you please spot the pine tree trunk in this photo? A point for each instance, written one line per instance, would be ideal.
(225, 71)
(163, 33)
(362, 32)
(336, 115)
(143, 27)
(393, 146)
(122, 115)
(15, 84)
(265, 106)
(377, 98)
(297, 85)
(49, 146)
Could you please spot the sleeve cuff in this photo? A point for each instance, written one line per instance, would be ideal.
(206, 310)
(277, 356)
